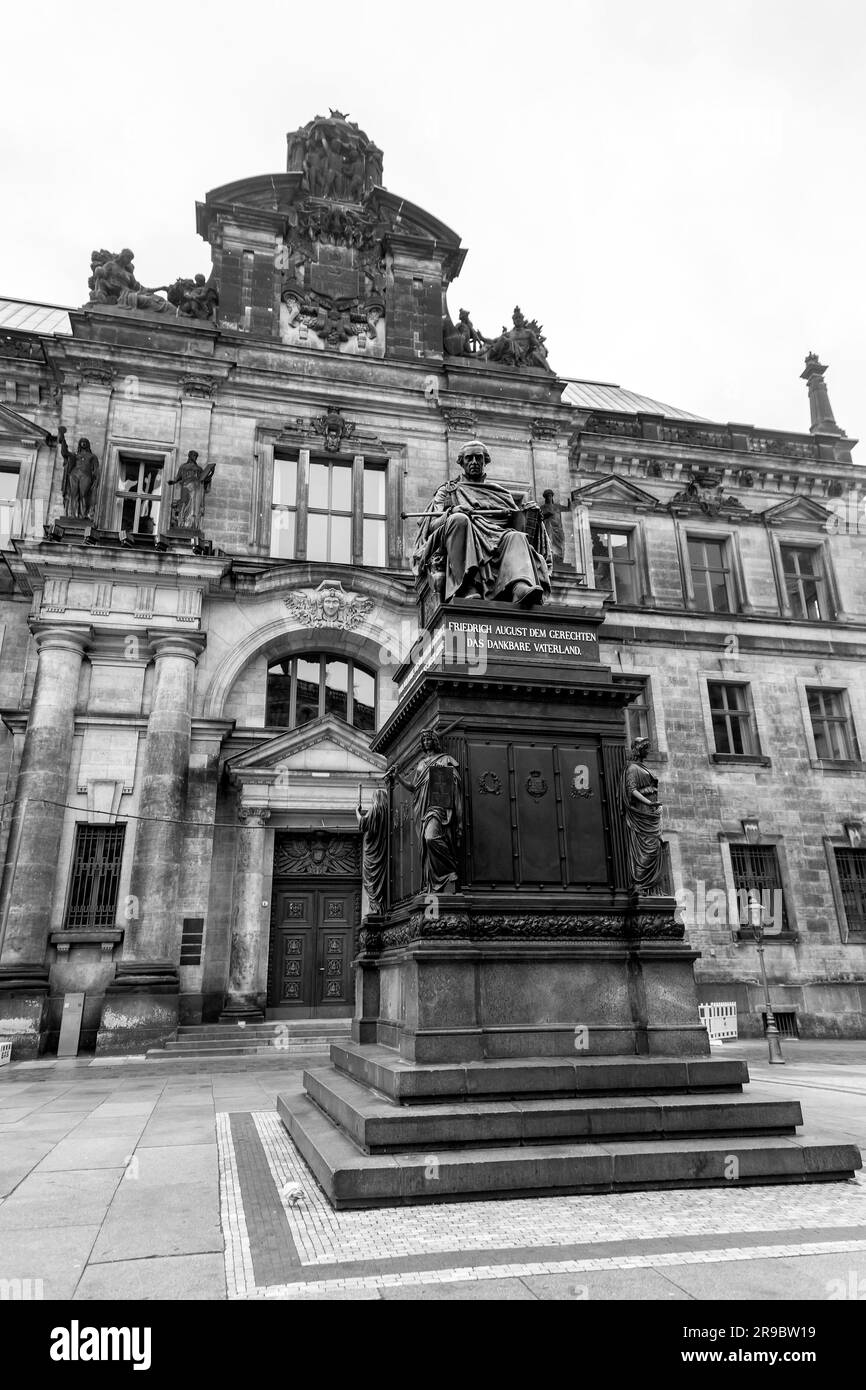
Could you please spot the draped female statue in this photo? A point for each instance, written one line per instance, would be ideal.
(374, 829)
(642, 820)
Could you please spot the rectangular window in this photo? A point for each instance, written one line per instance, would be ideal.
(614, 563)
(805, 585)
(733, 721)
(832, 726)
(712, 580)
(637, 716)
(284, 512)
(139, 494)
(756, 870)
(851, 867)
(375, 518)
(95, 876)
(8, 499)
(332, 510)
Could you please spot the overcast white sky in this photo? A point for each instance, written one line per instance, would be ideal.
(674, 188)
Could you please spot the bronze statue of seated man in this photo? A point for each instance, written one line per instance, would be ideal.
(477, 537)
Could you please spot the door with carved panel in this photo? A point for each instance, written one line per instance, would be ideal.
(312, 944)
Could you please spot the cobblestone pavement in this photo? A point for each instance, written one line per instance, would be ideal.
(189, 1187)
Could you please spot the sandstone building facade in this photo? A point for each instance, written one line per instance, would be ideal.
(193, 663)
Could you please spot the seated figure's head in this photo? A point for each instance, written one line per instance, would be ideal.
(473, 459)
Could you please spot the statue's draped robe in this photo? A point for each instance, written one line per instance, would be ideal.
(437, 826)
(642, 828)
(374, 828)
(483, 553)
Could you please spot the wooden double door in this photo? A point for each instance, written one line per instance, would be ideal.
(312, 945)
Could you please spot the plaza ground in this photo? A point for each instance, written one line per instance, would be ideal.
(131, 1182)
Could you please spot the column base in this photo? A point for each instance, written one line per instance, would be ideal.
(243, 1008)
(23, 1009)
(140, 1009)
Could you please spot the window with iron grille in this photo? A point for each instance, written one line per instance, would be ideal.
(637, 716)
(712, 580)
(851, 867)
(614, 563)
(733, 721)
(95, 876)
(805, 585)
(756, 871)
(832, 726)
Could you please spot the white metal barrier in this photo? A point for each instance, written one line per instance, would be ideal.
(719, 1019)
(5, 1051)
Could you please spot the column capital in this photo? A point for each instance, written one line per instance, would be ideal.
(62, 636)
(252, 817)
(186, 645)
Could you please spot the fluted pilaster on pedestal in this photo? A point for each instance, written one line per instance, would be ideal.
(33, 846)
(162, 803)
(245, 996)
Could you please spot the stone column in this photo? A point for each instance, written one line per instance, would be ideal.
(141, 1005)
(245, 996)
(33, 845)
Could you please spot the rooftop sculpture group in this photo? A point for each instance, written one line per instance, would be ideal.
(113, 282)
(522, 345)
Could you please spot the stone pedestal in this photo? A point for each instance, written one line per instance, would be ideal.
(23, 1009)
(536, 1030)
(245, 997)
(140, 1008)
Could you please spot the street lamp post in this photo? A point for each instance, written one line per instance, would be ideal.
(774, 1043)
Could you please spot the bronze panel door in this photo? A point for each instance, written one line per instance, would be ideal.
(334, 989)
(295, 914)
(537, 820)
(585, 846)
(313, 940)
(492, 858)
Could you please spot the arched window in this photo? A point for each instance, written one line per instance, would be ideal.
(301, 688)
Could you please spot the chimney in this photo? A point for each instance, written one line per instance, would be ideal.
(823, 421)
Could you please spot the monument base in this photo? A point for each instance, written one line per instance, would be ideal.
(379, 1131)
(536, 1032)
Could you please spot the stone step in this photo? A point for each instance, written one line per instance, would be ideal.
(384, 1070)
(351, 1178)
(337, 1028)
(308, 1048)
(378, 1125)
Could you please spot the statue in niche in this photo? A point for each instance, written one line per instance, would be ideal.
(80, 474)
(551, 514)
(522, 345)
(112, 281)
(437, 806)
(462, 339)
(195, 299)
(373, 825)
(487, 541)
(642, 821)
(194, 481)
